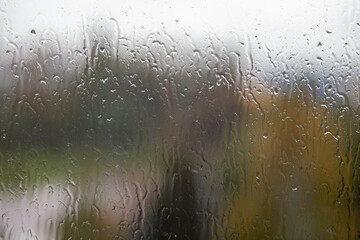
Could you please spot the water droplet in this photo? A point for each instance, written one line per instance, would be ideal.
(275, 90)
(42, 81)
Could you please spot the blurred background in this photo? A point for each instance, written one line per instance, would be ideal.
(179, 119)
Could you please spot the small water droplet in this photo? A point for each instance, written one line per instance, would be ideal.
(265, 135)
(33, 31)
(275, 90)
(42, 81)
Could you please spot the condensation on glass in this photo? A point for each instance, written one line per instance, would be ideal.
(179, 119)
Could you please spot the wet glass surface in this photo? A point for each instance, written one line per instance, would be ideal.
(179, 120)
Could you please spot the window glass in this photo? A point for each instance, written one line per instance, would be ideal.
(179, 119)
